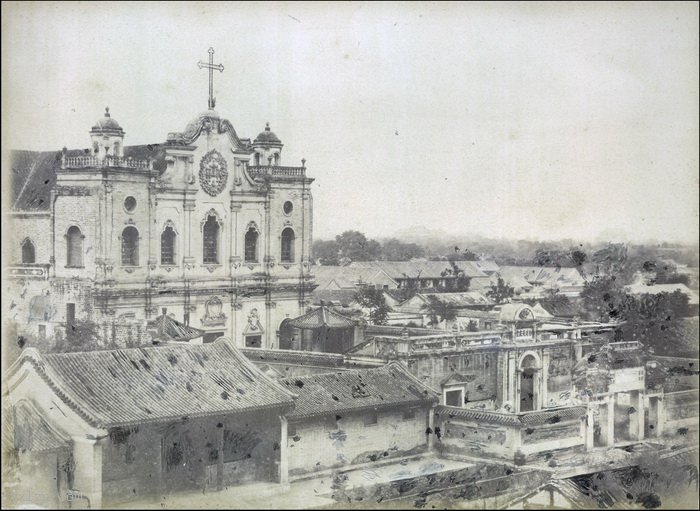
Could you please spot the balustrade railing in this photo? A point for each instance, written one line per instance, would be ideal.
(274, 171)
(82, 162)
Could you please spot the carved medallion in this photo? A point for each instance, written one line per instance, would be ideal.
(213, 173)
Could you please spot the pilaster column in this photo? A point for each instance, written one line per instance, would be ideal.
(109, 222)
(87, 454)
(544, 375)
(188, 258)
(234, 256)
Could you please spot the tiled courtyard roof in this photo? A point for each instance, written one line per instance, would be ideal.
(420, 269)
(356, 390)
(320, 318)
(130, 386)
(166, 328)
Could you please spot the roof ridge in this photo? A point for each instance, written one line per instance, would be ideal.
(396, 363)
(225, 341)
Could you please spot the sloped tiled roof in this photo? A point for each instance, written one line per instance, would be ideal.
(422, 269)
(513, 278)
(349, 277)
(548, 276)
(166, 328)
(355, 390)
(33, 175)
(257, 355)
(129, 386)
(25, 430)
(560, 308)
(654, 289)
(344, 296)
(486, 266)
(464, 299)
(322, 317)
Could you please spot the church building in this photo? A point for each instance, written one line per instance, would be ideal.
(208, 225)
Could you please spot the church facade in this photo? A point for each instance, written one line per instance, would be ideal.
(209, 226)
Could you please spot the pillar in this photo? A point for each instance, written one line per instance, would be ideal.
(640, 410)
(589, 430)
(610, 425)
(431, 426)
(87, 454)
(284, 453)
(220, 456)
(636, 419)
(660, 416)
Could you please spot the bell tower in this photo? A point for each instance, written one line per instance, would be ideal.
(107, 137)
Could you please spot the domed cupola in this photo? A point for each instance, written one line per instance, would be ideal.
(268, 148)
(107, 137)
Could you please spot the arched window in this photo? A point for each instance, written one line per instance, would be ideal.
(287, 249)
(167, 246)
(251, 245)
(130, 246)
(210, 241)
(28, 252)
(74, 241)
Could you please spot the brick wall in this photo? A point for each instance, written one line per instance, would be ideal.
(37, 229)
(314, 446)
(432, 369)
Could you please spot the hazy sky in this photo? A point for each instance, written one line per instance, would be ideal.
(528, 120)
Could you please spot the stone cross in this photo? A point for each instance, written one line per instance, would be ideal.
(211, 68)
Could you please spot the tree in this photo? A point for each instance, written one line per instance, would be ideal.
(355, 246)
(79, 336)
(578, 257)
(326, 252)
(465, 255)
(500, 292)
(656, 321)
(604, 299)
(559, 258)
(373, 299)
(438, 310)
(395, 250)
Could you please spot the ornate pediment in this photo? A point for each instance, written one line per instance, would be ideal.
(208, 122)
(213, 315)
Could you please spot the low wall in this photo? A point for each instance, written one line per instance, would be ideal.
(681, 411)
(483, 480)
(469, 432)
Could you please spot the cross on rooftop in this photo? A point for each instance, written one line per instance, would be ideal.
(211, 68)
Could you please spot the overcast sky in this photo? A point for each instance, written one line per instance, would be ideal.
(524, 120)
